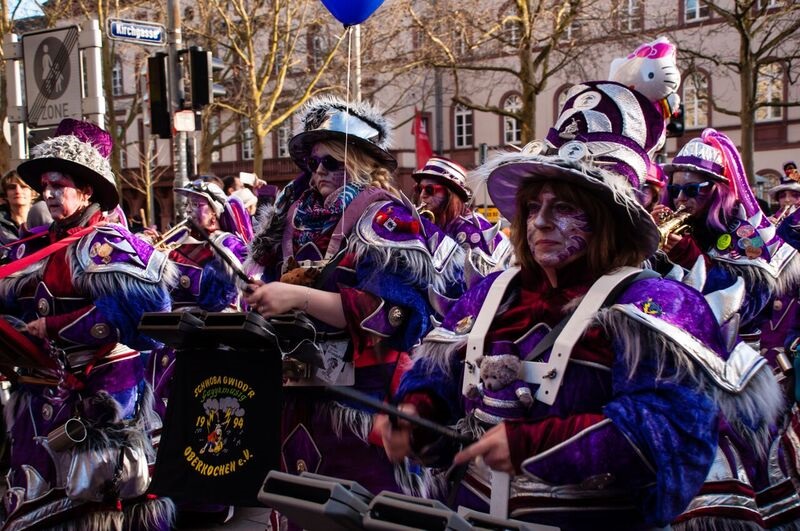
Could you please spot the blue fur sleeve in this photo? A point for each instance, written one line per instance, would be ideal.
(674, 425)
(124, 313)
(397, 291)
(217, 288)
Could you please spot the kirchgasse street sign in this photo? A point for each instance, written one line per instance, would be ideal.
(52, 75)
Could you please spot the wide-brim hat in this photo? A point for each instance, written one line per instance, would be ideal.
(450, 173)
(787, 184)
(72, 156)
(207, 190)
(508, 173)
(701, 157)
(360, 125)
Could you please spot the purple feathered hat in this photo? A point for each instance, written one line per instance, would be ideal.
(448, 172)
(602, 137)
(79, 149)
(329, 118)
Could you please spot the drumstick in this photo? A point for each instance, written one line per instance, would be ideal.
(367, 400)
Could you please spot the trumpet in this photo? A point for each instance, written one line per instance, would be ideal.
(424, 212)
(169, 240)
(670, 222)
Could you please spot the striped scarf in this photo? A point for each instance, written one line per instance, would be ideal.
(313, 219)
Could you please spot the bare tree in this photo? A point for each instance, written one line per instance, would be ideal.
(529, 43)
(277, 52)
(147, 175)
(766, 57)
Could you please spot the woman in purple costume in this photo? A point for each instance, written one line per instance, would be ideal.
(82, 300)
(622, 427)
(442, 190)
(358, 261)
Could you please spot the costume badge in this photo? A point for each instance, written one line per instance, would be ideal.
(724, 241)
(465, 325)
(650, 307)
(102, 251)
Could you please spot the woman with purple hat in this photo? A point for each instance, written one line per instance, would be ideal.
(626, 373)
(358, 261)
(80, 299)
(442, 191)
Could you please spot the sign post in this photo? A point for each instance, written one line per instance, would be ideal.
(52, 75)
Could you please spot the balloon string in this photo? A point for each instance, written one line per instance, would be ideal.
(347, 122)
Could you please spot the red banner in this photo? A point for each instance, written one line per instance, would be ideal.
(423, 142)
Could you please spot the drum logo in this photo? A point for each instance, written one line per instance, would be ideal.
(218, 446)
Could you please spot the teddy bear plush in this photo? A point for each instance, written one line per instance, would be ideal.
(299, 276)
(501, 393)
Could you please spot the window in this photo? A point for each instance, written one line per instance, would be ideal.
(513, 32)
(512, 128)
(116, 78)
(695, 101)
(463, 126)
(766, 4)
(630, 15)
(282, 136)
(123, 155)
(213, 130)
(317, 49)
(695, 10)
(280, 57)
(769, 89)
(573, 31)
(247, 140)
(563, 96)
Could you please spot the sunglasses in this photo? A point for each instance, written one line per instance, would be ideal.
(429, 189)
(691, 190)
(328, 162)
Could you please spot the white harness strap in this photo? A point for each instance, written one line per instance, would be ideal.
(549, 375)
(477, 335)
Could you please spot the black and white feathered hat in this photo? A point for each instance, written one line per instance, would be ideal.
(330, 118)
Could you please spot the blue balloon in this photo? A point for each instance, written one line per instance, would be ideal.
(352, 12)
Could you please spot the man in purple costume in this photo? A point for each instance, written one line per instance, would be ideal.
(623, 428)
(82, 301)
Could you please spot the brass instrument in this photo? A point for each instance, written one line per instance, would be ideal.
(422, 210)
(162, 244)
(670, 222)
(781, 214)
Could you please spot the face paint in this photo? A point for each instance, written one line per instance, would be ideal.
(558, 232)
(324, 180)
(61, 195)
(201, 211)
(433, 194)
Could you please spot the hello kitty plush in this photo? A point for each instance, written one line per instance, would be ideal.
(653, 71)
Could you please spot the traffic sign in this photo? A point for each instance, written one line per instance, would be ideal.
(52, 75)
(148, 33)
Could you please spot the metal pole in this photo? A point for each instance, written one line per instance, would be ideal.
(176, 96)
(357, 87)
(14, 110)
(93, 104)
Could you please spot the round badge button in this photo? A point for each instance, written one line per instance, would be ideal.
(745, 231)
(723, 242)
(752, 252)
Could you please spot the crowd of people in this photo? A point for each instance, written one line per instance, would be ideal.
(625, 360)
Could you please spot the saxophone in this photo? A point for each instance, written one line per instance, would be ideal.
(670, 222)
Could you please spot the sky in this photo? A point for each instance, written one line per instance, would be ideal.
(27, 8)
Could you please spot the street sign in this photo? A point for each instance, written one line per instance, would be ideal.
(137, 32)
(52, 75)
